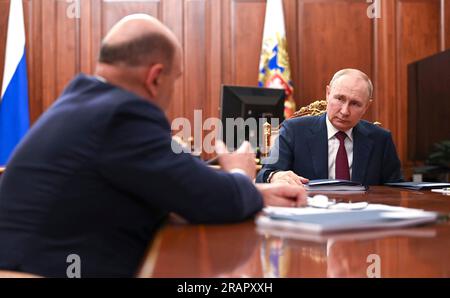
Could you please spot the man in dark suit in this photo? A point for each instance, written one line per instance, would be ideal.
(97, 174)
(338, 144)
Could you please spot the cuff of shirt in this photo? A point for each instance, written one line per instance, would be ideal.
(269, 177)
(238, 171)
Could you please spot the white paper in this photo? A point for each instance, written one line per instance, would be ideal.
(320, 220)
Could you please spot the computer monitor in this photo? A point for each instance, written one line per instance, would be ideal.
(250, 108)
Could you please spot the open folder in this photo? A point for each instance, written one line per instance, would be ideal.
(319, 220)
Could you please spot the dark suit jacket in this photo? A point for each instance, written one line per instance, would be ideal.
(303, 148)
(95, 176)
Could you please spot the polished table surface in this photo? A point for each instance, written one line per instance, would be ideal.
(241, 250)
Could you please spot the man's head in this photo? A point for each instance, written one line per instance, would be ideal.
(348, 97)
(141, 55)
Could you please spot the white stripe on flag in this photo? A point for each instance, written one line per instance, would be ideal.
(15, 43)
(274, 20)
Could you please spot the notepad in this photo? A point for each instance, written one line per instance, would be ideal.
(419, 185)
(334, 185)
(317, 220)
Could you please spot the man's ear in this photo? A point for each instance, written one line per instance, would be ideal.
(153, 79)
(369, 103)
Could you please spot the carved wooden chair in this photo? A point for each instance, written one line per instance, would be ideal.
(316, 108)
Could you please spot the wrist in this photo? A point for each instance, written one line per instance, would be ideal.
(269, 178)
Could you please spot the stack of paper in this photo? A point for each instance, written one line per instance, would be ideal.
(334, 185)
(341, 218)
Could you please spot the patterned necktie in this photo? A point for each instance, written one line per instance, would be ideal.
(342, 170)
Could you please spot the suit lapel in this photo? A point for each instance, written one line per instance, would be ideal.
(318, 145)
(362, 148)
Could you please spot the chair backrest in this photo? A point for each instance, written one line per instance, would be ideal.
(316, 108)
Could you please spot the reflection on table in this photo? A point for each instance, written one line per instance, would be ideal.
(244, 250)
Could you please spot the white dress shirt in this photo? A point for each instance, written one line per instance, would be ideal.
(333, 146)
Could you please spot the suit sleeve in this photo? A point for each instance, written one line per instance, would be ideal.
(281, 155)
(139, 158)
(391, 163)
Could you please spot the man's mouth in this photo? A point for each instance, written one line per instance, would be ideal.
(341, 120)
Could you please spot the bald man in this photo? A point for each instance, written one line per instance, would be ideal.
(338, 144)
(88, 186)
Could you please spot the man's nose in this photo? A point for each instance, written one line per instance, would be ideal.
(345, 109)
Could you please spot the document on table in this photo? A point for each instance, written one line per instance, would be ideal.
(334, 185)
(419, 185)
(341, 217)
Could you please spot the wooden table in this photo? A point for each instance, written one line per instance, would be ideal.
(240, 250)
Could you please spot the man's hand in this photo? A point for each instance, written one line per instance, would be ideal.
(243, 158)
(288, 177)
(282, 195)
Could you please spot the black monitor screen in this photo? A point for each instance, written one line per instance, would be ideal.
(254, 105)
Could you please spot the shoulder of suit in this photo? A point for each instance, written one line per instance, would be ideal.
(373, 129)
(93, 96)
(304, 121)
(113, 96)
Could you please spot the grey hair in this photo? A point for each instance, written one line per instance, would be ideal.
(359, 73)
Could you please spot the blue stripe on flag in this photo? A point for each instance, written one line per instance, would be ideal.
(14, 115)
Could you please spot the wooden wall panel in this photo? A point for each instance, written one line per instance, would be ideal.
(214, 52)
(49, 40)
(332, 35)
(247, 24)
(172, 16)
(33, 27)
(194, 42)
(445, 7)
(88, 39)
(385, 71)
(60, 49)
(66, 49)
(113, 11)
(292, 25)
(418, 36)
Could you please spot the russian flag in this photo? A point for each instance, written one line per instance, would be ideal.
(274, 68)
(14, 115)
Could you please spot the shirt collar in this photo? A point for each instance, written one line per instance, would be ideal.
(101, 79)
(331, 130)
